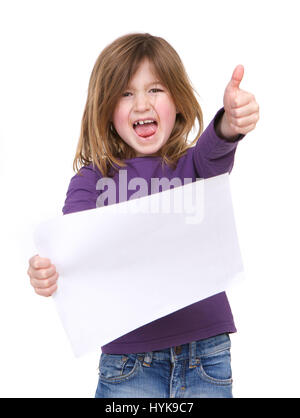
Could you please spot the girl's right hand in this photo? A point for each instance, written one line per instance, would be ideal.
(43, 275)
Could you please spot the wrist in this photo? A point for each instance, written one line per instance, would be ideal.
(223, 129)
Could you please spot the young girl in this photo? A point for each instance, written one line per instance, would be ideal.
(139, 111)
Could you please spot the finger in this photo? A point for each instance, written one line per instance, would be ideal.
(243, 122)
(46, 292)
(37, 262)
(44, 283)
(42, 273)
(237, 76)
(242, 130)
(242, 98)
(248, 129)
(246, 110)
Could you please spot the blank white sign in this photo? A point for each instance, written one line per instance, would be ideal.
(124, 265)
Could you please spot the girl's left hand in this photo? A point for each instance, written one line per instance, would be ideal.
(241, 109)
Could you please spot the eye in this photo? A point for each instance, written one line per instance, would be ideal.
(126, 94)
(157, 90)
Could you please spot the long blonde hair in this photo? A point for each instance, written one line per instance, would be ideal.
(101, 145)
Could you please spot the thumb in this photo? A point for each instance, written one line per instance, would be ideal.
(237, 76)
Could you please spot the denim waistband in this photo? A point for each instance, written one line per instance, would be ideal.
(190, 351)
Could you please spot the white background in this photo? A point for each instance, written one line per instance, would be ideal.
(48, 49)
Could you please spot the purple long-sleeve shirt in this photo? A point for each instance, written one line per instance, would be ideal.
(211, 156)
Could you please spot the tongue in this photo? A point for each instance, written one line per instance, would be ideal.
(146, 130)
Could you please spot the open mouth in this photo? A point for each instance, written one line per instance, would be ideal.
(145, 130)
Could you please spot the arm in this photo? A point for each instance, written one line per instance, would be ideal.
(215, 149)
(213, 154)
(222, 130)
(82, 193)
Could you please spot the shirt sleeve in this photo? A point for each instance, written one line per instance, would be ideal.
(82, 193)
(212, 154)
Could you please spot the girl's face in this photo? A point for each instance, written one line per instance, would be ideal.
(145, 99)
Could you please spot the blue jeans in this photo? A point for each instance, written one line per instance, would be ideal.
(200, 369)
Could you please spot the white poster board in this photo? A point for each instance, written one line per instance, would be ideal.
(124, 265)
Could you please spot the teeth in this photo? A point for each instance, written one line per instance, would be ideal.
(142, 122)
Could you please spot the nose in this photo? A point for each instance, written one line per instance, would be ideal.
(141, 102)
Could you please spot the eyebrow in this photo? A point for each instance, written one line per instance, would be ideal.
(149, 84)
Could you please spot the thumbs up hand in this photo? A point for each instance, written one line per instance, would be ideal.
(241, 109)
